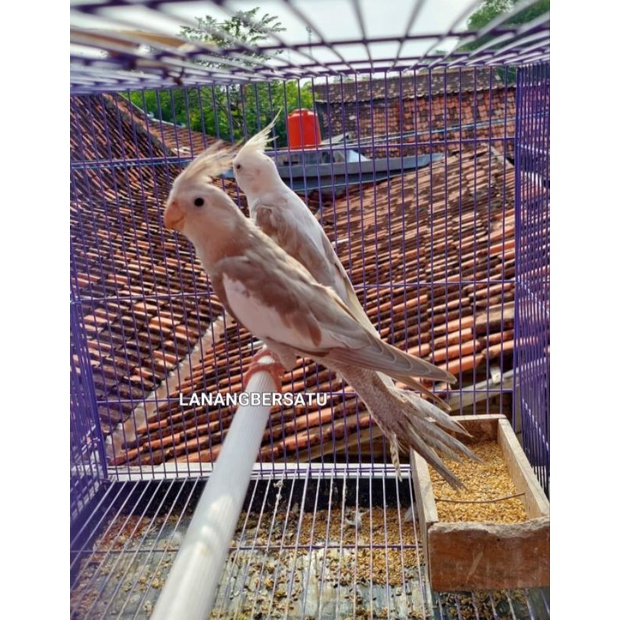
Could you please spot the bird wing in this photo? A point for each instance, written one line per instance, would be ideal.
(354, 305)
(275, 297)
(382, 357)
(295, 236)
(287, 220)
(300, 235)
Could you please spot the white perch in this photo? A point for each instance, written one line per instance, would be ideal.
(190, 588)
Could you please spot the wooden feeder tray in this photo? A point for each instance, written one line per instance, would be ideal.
(486, 556)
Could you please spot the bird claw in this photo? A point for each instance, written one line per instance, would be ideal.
(270, 365)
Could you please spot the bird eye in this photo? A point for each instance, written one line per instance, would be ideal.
(198, 202)
(238, 166)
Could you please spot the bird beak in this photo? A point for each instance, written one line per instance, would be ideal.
(173, 216)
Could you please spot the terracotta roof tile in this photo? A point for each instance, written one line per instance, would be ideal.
(178, 139)
(437, 316)
(408, 85)
(431, 254)
(416, 126)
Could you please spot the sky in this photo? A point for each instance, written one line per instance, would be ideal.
(331, 20)
(337, 19)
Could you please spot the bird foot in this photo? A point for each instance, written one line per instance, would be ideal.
(265, 361)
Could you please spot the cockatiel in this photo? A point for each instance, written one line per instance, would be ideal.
(276, 298)
(281, 214)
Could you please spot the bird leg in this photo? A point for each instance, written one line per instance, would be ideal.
(265, 361)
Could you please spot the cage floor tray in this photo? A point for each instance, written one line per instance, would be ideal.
(475, 555)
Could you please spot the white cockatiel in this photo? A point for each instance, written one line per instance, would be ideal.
(282, 214)
(277, 299)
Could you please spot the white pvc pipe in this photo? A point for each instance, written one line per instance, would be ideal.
(189, 591)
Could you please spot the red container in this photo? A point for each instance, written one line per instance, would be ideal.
(303, 129)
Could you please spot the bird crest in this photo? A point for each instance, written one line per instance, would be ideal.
(258, 142)
(211, 163)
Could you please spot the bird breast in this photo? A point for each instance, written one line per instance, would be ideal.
(263, 320)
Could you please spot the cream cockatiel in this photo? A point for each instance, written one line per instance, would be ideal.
(276, 298)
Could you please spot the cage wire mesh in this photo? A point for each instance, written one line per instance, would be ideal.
(449, 256)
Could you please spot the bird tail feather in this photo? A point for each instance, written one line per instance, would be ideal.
(409, 421)
(416, 385)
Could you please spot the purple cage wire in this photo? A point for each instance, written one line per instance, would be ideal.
(449, 256)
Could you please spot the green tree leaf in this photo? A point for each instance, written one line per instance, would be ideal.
(490, 9)
(237, 111)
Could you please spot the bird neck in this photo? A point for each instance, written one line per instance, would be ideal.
(254, 189)
(225, 237)
(265, 180)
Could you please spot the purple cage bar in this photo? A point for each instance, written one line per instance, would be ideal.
(450, 260)
(121, 257)
(532, 353)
